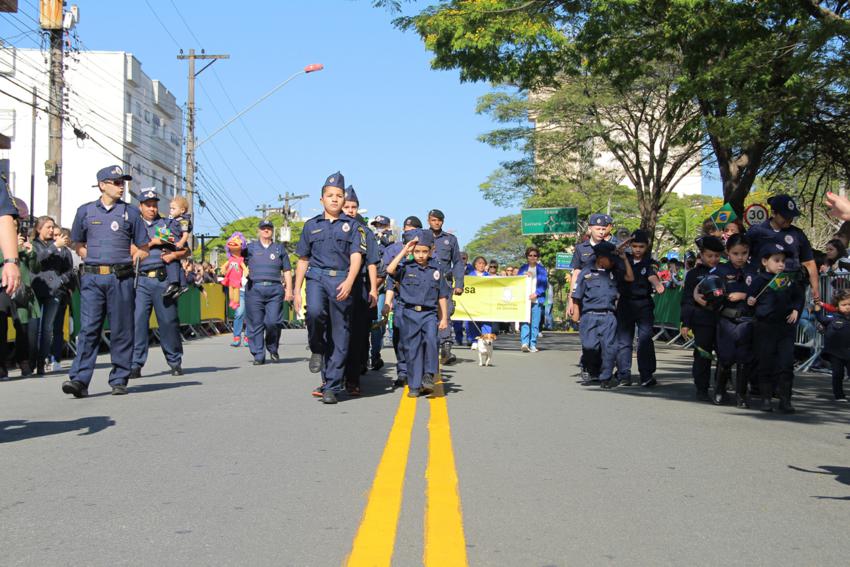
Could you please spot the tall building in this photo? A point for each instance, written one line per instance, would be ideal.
(116, 115)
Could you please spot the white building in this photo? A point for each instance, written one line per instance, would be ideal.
(131, 120)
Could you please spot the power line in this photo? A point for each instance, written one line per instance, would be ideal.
(185, 23)
(161, 23)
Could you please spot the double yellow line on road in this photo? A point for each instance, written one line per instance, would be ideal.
(445, 544)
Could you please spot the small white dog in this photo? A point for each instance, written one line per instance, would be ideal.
(484, 346)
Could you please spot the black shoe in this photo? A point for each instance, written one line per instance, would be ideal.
(607, 384)
(624, 383)
(765, 404)
(177, 370)
(119, 390)
(427, 384)
(328, 397)
(648, 383)
(719, 398)
(171, 291)
(413, 393)
(584, 377)
(258, 362)
(377, 364)
(274, 356)
(75, 388)
(26, 369)
(315, 364)
(39, 368)
(702, 396)
(451, 359)
(135, 373)
(590, 380)
(399, 383)
(785, 406)
(741, 402)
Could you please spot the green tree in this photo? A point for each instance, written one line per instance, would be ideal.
(500, 240)
(249, 227)
(768, 76)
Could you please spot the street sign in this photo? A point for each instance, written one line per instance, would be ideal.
(563, 260)
(755, 214)
(560, 220)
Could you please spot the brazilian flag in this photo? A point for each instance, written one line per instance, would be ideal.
(780, 281)
(723, 216)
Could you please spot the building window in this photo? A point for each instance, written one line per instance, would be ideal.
(147, 116)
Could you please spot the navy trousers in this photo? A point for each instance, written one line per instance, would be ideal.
(398, 344)
(734, 342)
(328, 327)
(263, 308)
(358, 341)
(102, 297)
(598, 332)
(419, 335)
(149, 297)
(633, 313)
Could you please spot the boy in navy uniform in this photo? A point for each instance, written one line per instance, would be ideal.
(595, 291)
(425, 292)
(777, 302)
(447, 255)
(364, 296)
(393, 301)
(150, 291)
(264, 294)
(330, 254)
(176, 276)
(636, 308)
(383, 236)
(103, 233)
(837, 339)
(699, 317)
(735, 325)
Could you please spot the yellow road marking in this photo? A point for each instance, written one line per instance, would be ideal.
(445, 544)
(375, 539)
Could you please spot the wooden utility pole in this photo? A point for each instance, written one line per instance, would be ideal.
(53, 166)
(190, 120)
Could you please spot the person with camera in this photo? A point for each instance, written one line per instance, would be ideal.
(52, 286)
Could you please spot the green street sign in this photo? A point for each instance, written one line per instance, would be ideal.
(561, 220)
(563, 260)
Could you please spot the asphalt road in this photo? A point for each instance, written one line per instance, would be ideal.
(238, 465)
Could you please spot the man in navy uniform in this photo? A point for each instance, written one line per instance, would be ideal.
(103, 233)
(800, 259)
(383, 235)
(264, 294)
(11, 278)
(447, 255)
(330, 254)
(152, 284)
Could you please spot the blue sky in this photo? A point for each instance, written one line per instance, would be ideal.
(402, 134)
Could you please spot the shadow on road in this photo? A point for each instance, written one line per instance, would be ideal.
(136, 387)
(21, 429)
(812, 392)
(841, 474)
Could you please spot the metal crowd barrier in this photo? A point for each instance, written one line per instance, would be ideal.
(809, 335)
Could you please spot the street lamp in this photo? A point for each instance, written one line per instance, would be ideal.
(305, 71)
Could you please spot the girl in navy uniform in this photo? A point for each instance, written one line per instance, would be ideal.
(735, 325)
(778, 302)
(425, 310)
(595, 291)
(697, 316)
(837, 339)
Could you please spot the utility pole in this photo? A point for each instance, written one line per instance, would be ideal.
(286, 233)
(264, 209)
(32, 154)
(204, 238)
(190, 121)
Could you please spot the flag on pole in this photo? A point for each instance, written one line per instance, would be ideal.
(723, 216)
(779, 281)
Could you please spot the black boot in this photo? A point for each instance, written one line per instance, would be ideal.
(765, 389)
(741, 386)
(721, 377)
(785, 397)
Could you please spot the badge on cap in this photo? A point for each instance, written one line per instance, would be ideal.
(114, 226)
(436, 275)
(331, 179)
(346, 228)
(791, 205)
(117, 171)
(789, 239)
(779, 247)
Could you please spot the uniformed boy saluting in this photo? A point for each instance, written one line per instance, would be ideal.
(330, 254)
(425, 293)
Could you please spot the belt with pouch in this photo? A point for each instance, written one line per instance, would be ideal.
(332, 273)
(120, 270)
(419, 307)
(734, 314)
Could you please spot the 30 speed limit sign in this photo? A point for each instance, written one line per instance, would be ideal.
(755, 214)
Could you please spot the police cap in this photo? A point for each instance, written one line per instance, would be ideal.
(784, 205)
(412, 221)
(335, 180)
(266, 223)
(380, 220)
(709, 242)
(148, 194)
(351, 195)
(112, 173)
(437, 214)
(426, 238)
(598, 219)
(770, 248)
(640, 237)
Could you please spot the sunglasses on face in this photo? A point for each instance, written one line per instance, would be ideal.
(532, 256)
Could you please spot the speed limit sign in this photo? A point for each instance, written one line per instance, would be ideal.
(755, 214)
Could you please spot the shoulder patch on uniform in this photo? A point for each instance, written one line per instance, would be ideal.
(346, 227)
